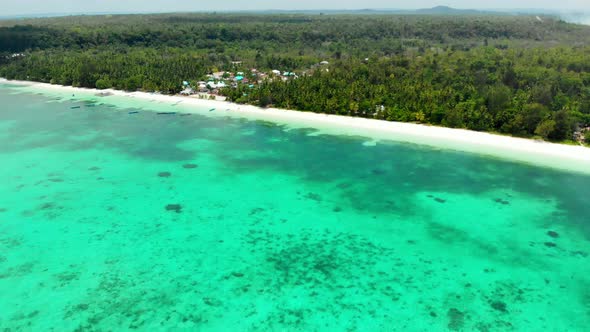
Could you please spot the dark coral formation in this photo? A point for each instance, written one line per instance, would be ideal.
(65, 278)
(553, 234)
(329, 264)
(256, 211)
(440, 200)
(47, 206)
(456, 319)
(378, 171)
(579, 253)
(18, 270)
(212, 302)
(313, 197)
(174, 207)
(499, 306)
(164, 174)
(501, 201)
(345, 185)
(190, 166)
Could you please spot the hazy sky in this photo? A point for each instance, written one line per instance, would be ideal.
(16, 7)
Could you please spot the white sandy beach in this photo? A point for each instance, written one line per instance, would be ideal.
(565, 157)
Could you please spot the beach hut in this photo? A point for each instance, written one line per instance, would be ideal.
(185, 83)
(203, 87)
(276, 72)
(218, 85)
(324, 63)
(239, 78)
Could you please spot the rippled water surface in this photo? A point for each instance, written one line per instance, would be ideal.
(114, 220)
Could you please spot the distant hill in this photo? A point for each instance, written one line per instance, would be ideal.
(42, 15)
(445, 10)
(438, 10)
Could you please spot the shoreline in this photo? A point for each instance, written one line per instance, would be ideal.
(539, 153)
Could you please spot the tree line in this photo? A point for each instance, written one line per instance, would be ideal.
(543, 92)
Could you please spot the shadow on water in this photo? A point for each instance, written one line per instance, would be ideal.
(372, 179)
(380, 177)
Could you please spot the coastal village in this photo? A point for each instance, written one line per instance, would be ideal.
(216, 81)
(211, 85)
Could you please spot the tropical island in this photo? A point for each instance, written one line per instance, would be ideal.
(526, 76)
(334, 170)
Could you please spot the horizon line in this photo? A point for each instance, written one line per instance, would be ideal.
(483, 10)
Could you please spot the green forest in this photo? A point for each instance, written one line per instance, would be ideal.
(519, 75)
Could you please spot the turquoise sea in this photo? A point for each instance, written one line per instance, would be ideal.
(116, 218)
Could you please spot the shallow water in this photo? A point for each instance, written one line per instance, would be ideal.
(116, 221)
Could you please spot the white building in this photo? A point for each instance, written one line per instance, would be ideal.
(218, 85)
(187, 92)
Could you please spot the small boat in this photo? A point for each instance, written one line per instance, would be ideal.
(134, 112)
(166, 113)
(185, 114)
(211, 110)
(75, 107)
